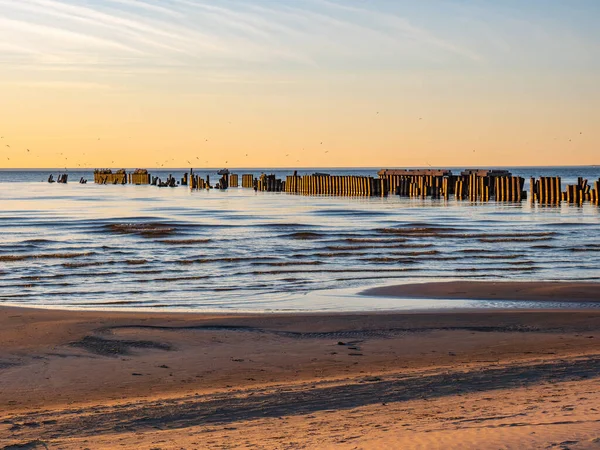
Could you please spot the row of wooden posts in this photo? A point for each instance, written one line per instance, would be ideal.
(548, 190)
(121, 177)
(322, 184)
(473, 185)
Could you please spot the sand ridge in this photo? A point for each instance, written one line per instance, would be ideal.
(543, 291)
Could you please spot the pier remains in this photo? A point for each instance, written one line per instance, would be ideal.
(476, 185)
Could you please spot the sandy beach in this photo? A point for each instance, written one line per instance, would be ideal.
(469, 379)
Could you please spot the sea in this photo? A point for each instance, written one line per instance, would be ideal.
(87, 246)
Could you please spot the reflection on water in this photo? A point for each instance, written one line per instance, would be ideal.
(126, 246)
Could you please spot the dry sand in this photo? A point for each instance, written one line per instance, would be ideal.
(502, 379)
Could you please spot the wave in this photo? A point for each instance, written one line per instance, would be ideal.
(147, 230)
(136, 262)
(86, 264)
(288, 263)
(11, 258)
(388, 259)
(184, 241)
(304, 235)
(429, 231)
(515, 239)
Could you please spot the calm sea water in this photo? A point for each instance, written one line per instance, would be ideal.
(88, 246)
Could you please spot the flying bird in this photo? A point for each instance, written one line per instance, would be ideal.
(28, 150)
(8, 145)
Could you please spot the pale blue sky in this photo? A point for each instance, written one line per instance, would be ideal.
(227, 39)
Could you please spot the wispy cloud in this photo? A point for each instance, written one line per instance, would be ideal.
(124, 36)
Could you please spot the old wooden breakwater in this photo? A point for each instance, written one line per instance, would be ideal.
(324, 184)
(472, 185)
(548, 190)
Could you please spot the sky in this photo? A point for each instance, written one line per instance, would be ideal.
(299, 83)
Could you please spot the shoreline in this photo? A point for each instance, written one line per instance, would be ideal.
(566, 293)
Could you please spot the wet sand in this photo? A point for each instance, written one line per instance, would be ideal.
(542, 291)
(476, 379)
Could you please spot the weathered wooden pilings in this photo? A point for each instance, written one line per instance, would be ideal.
(325, 184)
(415, 183)
(139, 177)
(248, 181)
(582, 192)
(474, 185)
(548, 190)
(269, 183)
(197, 182)
(105, 176)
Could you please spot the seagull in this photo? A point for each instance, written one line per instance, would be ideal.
(189, 162)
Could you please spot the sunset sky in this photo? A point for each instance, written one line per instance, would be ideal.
(299, 83)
